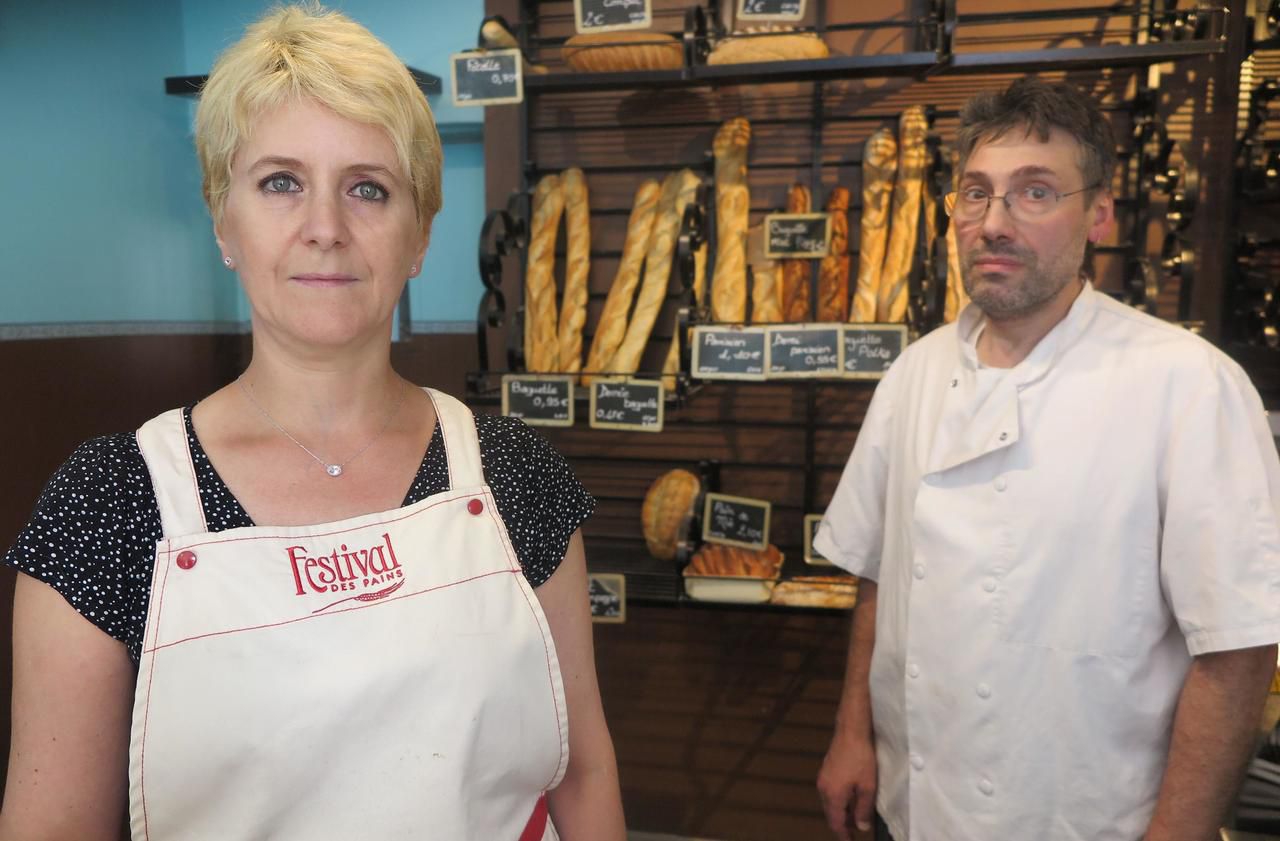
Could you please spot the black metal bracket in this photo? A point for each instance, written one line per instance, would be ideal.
(504, 232)
(1178, 260)
(1142, 285)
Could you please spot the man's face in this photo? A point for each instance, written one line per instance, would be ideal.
(1015, 262)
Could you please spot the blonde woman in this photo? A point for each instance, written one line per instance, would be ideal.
(270, 615)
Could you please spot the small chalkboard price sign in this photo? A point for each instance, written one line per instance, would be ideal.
(627, 404)
(804, 351)
(812, 555)
(607, 594)
(869, 349)
(797, 235)
(736, 520)
(611, 15)
(770, 9)
(728, 353)
(492, 77)
(538, 400)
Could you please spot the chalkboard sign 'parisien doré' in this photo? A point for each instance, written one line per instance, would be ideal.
(736, 520)
(728, 353)
(770, 9)
(611, 15)
(627, 404)
(869, 349)
(808, 351)
(491, 77)
(797, 235)
(538, 400)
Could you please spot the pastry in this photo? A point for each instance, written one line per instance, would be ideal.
(891, 304)
(540, 345)
(733, 205)
(573, 305)
(613, 52)
(735, 561)
(668, 506)
(879, 165)
(833, 273)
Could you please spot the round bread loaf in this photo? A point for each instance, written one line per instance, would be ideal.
(667, 506)
(616, 52)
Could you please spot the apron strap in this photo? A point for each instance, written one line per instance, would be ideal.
(536, 828)
(461, 444)
(163, 442)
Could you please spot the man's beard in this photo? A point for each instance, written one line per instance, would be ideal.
(1013, 296)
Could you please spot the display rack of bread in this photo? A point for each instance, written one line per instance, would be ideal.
(767, 43)
(669, 506)
(719, 560)
(618, 52)
(832, 591)
(733, 206)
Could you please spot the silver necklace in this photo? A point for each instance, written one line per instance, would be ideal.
(334, 469)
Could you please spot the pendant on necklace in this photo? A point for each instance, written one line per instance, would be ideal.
(334, 470)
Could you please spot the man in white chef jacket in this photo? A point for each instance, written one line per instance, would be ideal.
(1066, 516)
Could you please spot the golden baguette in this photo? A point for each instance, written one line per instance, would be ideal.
(891, 304)
(540, 346)
(678, 189)
(733, 207)
(766, 282)
(796, 273)
(833, 273)
(573, 306)
(613, 318)
(879, 165)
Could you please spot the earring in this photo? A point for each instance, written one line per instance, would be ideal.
(413, 270)
(227, 261)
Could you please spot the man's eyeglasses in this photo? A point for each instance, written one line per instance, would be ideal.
(971, 203)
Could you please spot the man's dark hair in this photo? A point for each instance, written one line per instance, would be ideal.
(1034, 106)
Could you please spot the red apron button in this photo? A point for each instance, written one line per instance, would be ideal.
(186, 559)
(475, 506)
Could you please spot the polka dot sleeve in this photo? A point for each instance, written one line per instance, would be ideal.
(93, 536)
(539, 498)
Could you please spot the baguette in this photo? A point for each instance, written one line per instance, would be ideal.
(766, 283)
(573, 305)
(833, 273)
(678, 189)
(796, 273)
(733, 205)
(613, 318)
(540, 346)
(891, 305)
(879, 164)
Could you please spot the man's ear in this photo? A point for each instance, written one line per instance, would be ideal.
(1103, 216)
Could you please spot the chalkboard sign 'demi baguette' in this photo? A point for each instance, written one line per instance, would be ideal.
(797, 235)
(736, 521)
(538, 399)
(611, 15)
(493, 77)
(770, 9)
(636, 405)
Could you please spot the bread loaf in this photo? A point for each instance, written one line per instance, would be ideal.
(733, 205)
(766, 280)
(796, 273)
(891, 305)
(840, 592)
(833, 273)
(573, 304)
(768, 43)
(540, 345)
(879, 165)
(615, 52)
(678, 189)
(668, 506)
(613, 318)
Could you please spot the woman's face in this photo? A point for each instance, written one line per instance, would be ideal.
(321, 225)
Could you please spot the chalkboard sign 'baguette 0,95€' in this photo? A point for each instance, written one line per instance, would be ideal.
(627, 404)
(611, 15)
(728, 353)
(770, 10)
(494, 77)
(736, 520)
(538, 400)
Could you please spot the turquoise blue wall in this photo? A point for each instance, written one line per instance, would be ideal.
(103, 221)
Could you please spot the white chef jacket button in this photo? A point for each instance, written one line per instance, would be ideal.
(989, 584)
(955, 383)
(986, 787)
(918, 570)
(913, 670)
(1001, 483)
(984, 691)
(1004, 436)
(917, 762)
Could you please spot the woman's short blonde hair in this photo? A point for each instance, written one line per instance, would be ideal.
(307, 52)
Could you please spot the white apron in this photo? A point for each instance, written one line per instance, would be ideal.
(390, 676)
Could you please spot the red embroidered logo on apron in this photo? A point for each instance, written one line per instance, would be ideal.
(374, 572)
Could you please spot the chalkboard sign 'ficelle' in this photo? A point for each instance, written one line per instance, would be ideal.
(538, 400)
(810, 351)
(797, 235)
(728, 353)
(494, 77)
(869, 349)
(736, 520)
(627, 404)
(812, 555)
(611, 15)
(770, 10)
(607, 595)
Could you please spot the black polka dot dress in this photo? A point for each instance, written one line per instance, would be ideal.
(94, 531)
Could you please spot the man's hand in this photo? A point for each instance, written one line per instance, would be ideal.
(847, 784)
